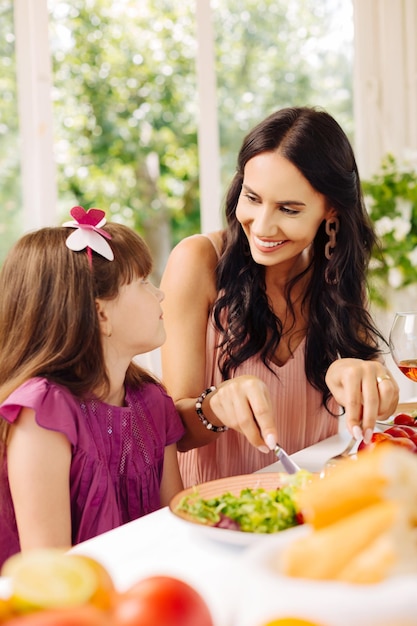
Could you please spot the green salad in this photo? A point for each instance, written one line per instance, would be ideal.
(254, 510)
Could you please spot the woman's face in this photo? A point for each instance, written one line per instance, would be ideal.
(280, 212)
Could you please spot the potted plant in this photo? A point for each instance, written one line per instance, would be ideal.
(391, 200)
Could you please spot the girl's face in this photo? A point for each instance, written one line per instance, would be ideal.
(280, 212)
(134, 318)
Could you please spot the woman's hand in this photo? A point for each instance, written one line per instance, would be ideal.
(366, 390)
(244, 404)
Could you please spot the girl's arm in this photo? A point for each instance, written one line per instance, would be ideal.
(38, 463)
(171, 482)
(190, 290)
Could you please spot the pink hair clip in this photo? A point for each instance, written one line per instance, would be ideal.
(88, 233)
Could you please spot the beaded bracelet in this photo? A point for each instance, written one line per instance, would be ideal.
(203, 419)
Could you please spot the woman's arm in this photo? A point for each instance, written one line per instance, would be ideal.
(190, 290)
(171, 482)
(189, 287)
(38, 463)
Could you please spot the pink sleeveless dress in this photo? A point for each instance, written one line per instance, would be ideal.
(300, 416)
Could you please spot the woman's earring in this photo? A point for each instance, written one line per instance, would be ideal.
(332, 228)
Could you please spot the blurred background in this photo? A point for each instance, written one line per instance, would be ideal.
(139, 107)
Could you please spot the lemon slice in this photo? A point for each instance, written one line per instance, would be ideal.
(49, 578)
(105, 594)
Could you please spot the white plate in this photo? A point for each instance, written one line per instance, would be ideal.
(390, 422)
(265, 594)
(234, 485)
(403, 407)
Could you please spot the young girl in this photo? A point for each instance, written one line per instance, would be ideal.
(267, 321)
(88, 437)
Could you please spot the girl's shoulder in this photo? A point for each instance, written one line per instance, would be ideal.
(37, 388)
(54, 405)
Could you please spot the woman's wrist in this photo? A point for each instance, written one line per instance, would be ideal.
(199, 410)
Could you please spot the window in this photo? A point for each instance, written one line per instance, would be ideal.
(125, 105)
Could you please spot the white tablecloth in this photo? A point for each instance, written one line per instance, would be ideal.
(162, 544)
(237, 591)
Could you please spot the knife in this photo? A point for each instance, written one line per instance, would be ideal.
(289, 465)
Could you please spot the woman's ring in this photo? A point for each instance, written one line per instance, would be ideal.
(380, 379)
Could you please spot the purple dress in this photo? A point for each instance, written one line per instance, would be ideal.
(117, 454)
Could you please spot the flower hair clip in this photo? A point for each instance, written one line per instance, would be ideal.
(89, 233)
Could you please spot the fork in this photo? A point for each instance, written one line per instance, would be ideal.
(338, 457)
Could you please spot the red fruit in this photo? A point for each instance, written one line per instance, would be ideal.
(405, 442)
(86, 615)
(161, 601)
(381, 437)
(377, 438)
(410, 432)
(397, 431)
(404, 419)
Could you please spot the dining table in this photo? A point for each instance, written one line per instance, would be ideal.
(228, 574)
(163, 544)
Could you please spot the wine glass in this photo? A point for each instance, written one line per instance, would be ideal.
(403, 343)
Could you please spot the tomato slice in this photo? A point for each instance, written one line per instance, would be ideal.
(403, 419)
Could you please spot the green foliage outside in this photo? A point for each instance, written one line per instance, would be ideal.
(274, 53)
(10, 189)
(124, 105)
(391, 198)
(125, 101)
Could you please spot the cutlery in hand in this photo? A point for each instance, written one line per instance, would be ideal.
(289, 465)
(330, 463)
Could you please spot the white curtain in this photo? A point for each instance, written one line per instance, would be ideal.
(34, 88)
(385, 81)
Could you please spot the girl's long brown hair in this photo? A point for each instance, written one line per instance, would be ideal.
(48, 321)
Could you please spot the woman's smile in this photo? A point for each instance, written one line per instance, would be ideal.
(268, 245)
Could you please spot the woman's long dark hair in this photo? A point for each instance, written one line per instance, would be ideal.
(339, 323)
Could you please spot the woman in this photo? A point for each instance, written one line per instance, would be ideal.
(270, 317)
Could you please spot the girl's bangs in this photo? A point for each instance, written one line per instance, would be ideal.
(132, 254)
